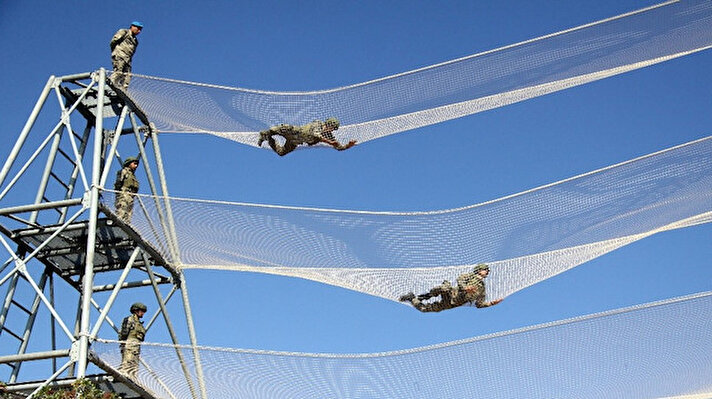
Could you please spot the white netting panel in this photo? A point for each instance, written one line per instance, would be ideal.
(525, 238)
(440, 92)
(658, 350)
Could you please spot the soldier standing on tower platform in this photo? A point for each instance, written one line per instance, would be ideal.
(127, 186)
(132, 332)
(123, 46)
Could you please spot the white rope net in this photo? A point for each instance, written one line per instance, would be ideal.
(525, 238)
(655, 350)
(440, 92)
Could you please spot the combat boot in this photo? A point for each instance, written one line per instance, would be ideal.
(407, 297)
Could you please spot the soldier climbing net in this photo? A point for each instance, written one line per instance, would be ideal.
(622, 353)
(526, 237)
(439, 92)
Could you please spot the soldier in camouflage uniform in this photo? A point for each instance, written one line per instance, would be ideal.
(312, 133)
(123, 46)
(470, 289)
(133, 333)
(127, 185)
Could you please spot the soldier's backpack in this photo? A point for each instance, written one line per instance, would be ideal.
(126, 327)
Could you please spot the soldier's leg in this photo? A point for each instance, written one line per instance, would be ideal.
(126, 357)
(122, 349)
(130, 359)
(117, 77)
(133, 365)
(444, 291)
(281, 150)
(124, 206)
(273, 144)
(129, 209)
(429, 307)
(289, 146)
(121, 213)
(122, 72)
(127, 74)
(119, 204)
(438, 290)
(265, 135)
(115, 73)
(446, 299)
(425, 297)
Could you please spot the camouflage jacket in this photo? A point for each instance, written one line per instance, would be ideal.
(126, 181)
(477, 297)
(132, 329)
(123, 44)
(309, 134)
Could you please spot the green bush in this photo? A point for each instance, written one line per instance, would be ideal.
(80, 389)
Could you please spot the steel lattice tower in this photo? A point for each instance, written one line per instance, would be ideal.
(57, 230)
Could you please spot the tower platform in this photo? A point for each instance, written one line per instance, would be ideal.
(114, 100)
(65, 254)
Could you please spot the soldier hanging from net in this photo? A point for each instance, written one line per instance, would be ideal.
(312, 133)
(470, 289)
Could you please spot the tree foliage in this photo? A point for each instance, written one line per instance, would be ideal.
(80, 389)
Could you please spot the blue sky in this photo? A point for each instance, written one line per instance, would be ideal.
(321, 44)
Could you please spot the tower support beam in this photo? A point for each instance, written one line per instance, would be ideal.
(54, 230)
(88, 280)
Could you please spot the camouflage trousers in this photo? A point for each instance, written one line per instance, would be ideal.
(124, 205)
(130, 352)
(445, 291)
(288, 147)
(122, 72)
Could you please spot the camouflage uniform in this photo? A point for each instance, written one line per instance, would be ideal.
(309, 134)
(452, 297)
(133, 332)
(127, 185)
(123, 46)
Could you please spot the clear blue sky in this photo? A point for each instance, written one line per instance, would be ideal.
(280, 45)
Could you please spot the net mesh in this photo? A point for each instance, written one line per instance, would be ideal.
(440, 92)
(656, 350)
(525, 238)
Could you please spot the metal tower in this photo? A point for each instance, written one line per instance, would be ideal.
(58, 229)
